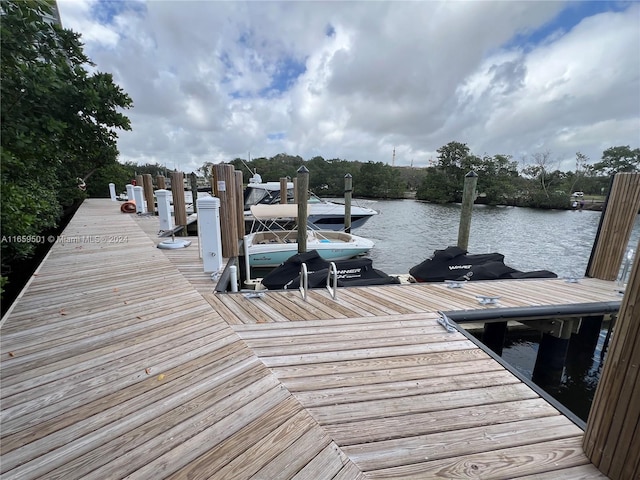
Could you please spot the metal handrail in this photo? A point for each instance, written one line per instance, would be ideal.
(332, 278)
(304, 281)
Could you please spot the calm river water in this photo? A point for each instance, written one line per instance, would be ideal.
(406, 232)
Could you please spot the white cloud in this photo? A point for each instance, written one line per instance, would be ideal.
(209, 79)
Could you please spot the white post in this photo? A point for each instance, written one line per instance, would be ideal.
(130, 196)
(164, 209)
(138, 195)
(210, 238)
(233, 278)
(112, 191)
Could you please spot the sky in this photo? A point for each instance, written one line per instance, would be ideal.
(215, 80)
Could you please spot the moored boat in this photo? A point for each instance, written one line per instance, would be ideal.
(323, 214)
(269, 245)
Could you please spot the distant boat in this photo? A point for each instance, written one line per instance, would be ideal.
(270, 246)
(321, 213)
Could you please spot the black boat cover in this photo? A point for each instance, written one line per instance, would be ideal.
(353, 272)
(454, 263)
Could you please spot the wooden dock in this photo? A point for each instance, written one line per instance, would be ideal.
(119, 361)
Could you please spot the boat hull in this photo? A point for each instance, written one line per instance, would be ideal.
(273, 259)
(270, 249)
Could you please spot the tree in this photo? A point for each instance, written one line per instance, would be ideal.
(379, 180)
(618, 159)
(496, 178)
(58, 122)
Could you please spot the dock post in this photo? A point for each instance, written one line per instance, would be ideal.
(283, 190)
(552, 353)
(139, 181)
(493, 335)
(193, 182)
(179, 208)
(210, 236)
(468, 197)
(130, 196)
(613, 428)
(239, 205)
(303, 187)
(348, 190)
(112, 192)
(584, 342)
(619, 215)
(224, 185)
(160, 182)
(139, 199)
(164, 210)
(147, 184)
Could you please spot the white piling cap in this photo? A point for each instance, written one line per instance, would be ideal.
(208, 202)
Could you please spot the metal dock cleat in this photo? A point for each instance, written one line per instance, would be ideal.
(487, 300)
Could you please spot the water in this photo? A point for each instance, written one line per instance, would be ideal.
(407, 232)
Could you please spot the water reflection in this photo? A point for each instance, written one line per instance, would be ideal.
(407, 232)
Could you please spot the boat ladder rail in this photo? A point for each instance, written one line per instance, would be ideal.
(332, 280)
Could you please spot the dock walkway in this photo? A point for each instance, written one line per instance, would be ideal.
(118, 361)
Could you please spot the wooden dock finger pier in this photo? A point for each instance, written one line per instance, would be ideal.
(119, 361)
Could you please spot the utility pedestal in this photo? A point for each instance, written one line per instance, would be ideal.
(164, 210)
(210, 236)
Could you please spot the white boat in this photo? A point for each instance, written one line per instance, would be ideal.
(322, 214)
(269, 246)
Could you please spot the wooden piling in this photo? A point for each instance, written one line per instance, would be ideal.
(468, 197)
(193, 184)
(301, 200)
(147, 184)
(224, 188)
(612, 437)
(493, 335)
(139, 181)
(348, 190)
(283, 190)
(177, 191)
(239, 204)
(618, 218)
(160, 182)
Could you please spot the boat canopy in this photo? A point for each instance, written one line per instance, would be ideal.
(280, 210)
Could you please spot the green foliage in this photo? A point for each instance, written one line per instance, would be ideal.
(618, 159)
(499, 181)
(116, 173)
(379, 180)
(57, 122)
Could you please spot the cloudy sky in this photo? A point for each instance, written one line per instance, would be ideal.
(212, 81)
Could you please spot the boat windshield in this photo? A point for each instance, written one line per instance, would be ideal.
(255, 195)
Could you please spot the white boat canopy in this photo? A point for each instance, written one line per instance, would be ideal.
(281, 210)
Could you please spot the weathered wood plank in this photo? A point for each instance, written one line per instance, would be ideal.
(240, 445)
(459, 443)
(375, 364)
(499, 464)
(365, 353)
(395, 389)
(136, 396)
(326, 465)
(117, 454)
(290, 461)
(249, 461)
(444, 420)
(190, 449)
(385, 375)
(348, 412)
